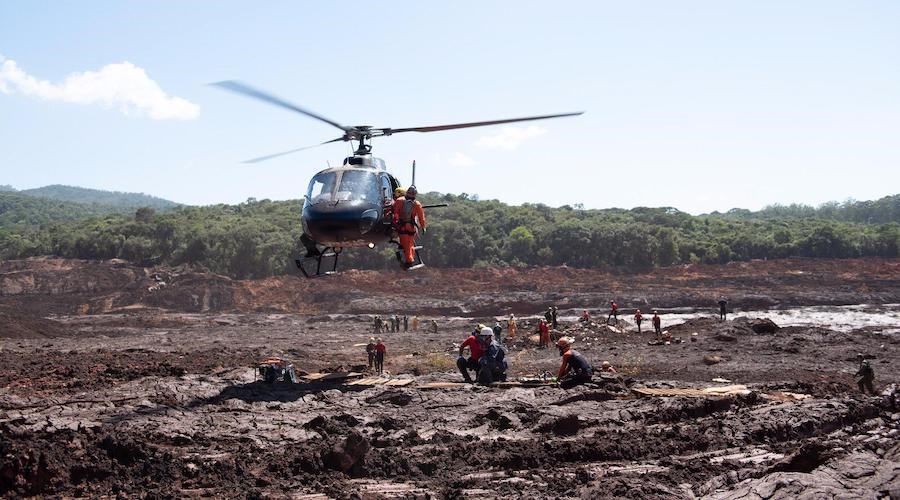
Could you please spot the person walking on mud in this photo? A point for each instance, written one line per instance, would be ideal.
(370, 351)
(638, 317)
(722, 309)
(554, 317)
(378, 325)
(415, 323)
(380, 351)
(433, 326)
(613, 313)
(405, 323)
(657, 324)
(866, 375)
(511, 326)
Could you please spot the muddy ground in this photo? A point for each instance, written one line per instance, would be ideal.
(110, 388)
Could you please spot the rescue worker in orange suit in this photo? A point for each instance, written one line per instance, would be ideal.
(638, 317)
(408, 217)
(575, 369)
(544, 334)
(476, 350)
(380, 351)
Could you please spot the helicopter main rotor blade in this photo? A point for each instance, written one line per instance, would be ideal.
(240, 88)
(437, 128)
(276, 155)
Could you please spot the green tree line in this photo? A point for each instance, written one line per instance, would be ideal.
(261, 237)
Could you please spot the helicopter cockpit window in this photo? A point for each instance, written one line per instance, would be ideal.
(386, 190)
(358, 185)
(321, 187)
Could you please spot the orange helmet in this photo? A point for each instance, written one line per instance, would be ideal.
(564, 342)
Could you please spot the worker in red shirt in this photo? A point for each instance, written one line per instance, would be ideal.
(657, 324)
(408, 216)
(476, 350)
(638, 317)
(544, 335)
(613, 312)
(380, 351)
(575, 369)
(585, 316)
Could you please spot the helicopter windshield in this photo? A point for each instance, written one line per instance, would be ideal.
(354, 185)
(321, 187)
(358, 185)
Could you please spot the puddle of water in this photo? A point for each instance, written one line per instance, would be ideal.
(885, 317)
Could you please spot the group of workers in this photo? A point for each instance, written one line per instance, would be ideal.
(638, 317)
(392, 324)
(376, 351)
(487, 356)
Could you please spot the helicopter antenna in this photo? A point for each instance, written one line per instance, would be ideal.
(414, 174)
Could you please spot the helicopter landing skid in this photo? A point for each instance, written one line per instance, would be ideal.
(311, 267)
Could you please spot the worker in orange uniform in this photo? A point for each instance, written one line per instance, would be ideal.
(575, 369)
(511, 326)
(638, 317)
(409, 216)
(544, 332)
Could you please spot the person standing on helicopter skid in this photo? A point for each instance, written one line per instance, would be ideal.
(409, 216)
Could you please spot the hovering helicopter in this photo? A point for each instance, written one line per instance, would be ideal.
(350, 205)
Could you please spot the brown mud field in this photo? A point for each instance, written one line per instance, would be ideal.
(117, 380)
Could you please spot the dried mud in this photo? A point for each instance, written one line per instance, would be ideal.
(129, 392)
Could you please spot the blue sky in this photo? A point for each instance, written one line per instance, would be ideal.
(698, 105)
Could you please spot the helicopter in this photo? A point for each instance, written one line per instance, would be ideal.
(350, 205)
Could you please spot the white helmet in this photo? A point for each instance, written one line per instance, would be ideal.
(486, 332)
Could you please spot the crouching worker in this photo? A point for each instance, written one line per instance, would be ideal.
(475, 352)
(492, 364)
(575, 369)
(486, 358)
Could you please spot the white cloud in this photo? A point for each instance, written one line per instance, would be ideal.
(510, 138)
(121, 85)
(461, 160)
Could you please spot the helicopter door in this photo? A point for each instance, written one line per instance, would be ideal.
(387, 192)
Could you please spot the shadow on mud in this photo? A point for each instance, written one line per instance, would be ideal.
(260, 391)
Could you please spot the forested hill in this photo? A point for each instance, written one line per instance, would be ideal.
(113, 199)
(260, 238)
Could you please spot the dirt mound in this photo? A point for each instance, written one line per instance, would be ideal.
(19, 325)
